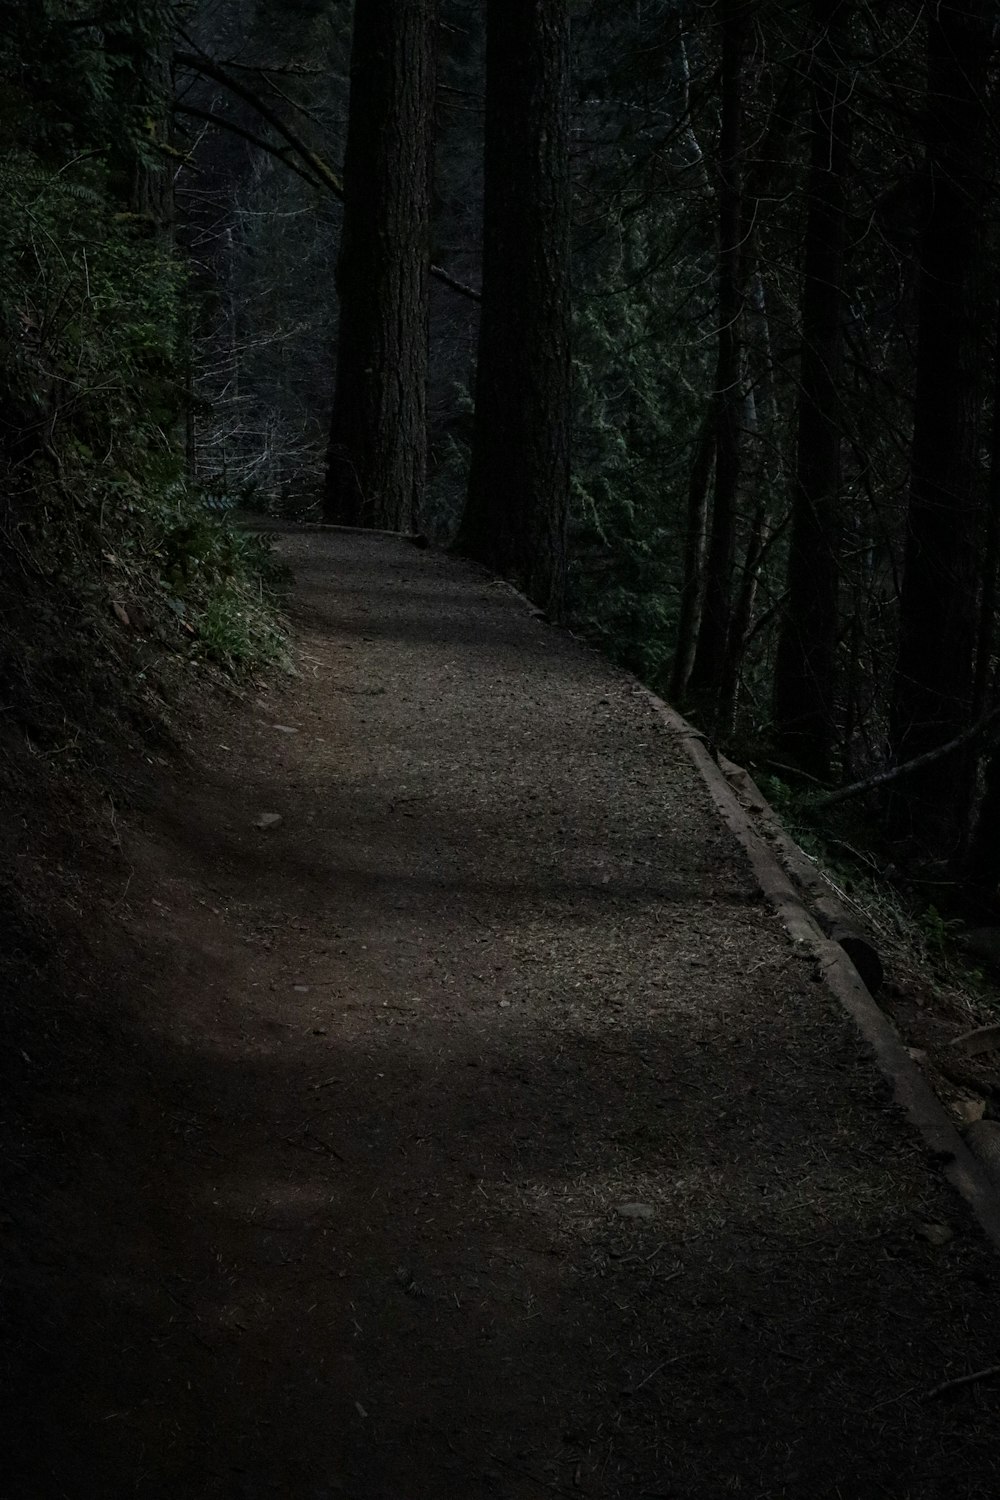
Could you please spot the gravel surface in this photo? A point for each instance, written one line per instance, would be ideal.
(474, 1130)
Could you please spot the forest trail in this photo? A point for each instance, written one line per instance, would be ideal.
(477, 1131)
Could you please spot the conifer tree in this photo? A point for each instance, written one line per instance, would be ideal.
(807, 642)
(515, 515)
(377, 455)
(933, 688)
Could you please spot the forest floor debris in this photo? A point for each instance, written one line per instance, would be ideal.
(319, 1186)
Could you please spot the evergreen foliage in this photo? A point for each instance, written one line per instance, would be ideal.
(635, 420)
(95, 311)
(696, 163)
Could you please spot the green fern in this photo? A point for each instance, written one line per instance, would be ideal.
(24, 179)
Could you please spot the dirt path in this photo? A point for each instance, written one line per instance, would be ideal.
(474, 1130)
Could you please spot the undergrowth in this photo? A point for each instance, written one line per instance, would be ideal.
(120, 578)
(910, 920)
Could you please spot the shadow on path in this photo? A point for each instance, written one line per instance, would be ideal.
(474, 1131)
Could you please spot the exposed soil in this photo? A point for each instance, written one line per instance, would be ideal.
(473, 1130)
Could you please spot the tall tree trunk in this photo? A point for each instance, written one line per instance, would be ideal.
(708, 670)
(515, 514)
(151, 184)
(692, 589)
(377, 458)
(807, 643)
(741, 622)
(983, 861)
(934, 682)
(986, 635)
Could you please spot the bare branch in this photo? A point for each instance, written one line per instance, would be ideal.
(209, 69)
(247, 135)
(463, 289)
(315, 164)
(280, 70)
(895, 773)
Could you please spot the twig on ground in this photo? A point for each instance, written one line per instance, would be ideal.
(304, 1134)
(987, 1373)
(653, 1373)
(543, 1484)
(891, 1400)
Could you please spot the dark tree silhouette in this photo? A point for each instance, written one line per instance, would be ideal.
(515, 515)
(712, 650)
(377, 455)
(807, 643)
(934, 680)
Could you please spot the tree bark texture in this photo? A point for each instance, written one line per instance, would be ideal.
(934, 681)
(804, 685)
(740, 623)
(987, 629)
(983, 862)
(518, 499)
(377, 457)
(706, 680)
(694, 559)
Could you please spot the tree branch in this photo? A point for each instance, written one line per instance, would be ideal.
(209, 69)
(280, 70)
(895, 773)
(316, 165)
(246, 135)
(462, 287)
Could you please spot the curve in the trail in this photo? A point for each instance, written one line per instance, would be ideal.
(479, 1131)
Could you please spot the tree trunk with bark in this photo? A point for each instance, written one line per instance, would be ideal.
(934, 681)
(695, 537)
(983, 862)
(711, 653)
(377, 457)
(804, 683)
(518, 499)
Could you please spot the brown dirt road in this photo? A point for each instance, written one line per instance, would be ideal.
(474, 1130)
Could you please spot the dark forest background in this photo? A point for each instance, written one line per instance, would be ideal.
(707, 361)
